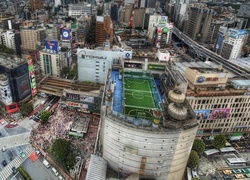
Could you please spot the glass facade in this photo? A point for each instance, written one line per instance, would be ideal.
(47, 64)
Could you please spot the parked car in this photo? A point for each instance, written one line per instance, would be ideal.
(4, 163)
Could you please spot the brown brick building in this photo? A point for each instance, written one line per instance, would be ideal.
(104, 29)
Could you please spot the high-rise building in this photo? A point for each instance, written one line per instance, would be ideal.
(50, 61)
(17, 72)
(153, 143)
(103, 29)
(114, 12)
(199, 20)
(36, 4)
(229, 43)
(94, 65)
(8, 39)
(32, 34)
(180, 9)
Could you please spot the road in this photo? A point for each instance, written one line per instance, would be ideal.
(202, 51)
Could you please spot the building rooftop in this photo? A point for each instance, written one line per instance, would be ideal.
(10, 61)
(97, 168)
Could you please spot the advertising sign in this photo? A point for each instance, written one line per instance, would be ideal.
(165, 30)
(75, 104)
(220, 113)
(51, 46)
(202, 114)
(87, 99)
(23, 86)
(162, 20)
(32, 76)
(73, 25)
(66, 34)
(235, 33)
(156, 67)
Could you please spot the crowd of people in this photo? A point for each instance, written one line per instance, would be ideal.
(59, 125)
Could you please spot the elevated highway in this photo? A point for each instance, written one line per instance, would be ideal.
(202, 51)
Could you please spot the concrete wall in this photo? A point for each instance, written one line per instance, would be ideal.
(165, 154)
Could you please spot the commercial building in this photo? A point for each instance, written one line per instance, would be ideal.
(8, 39)
(198, 23)
(153, 143)
(35, 4)
(103, 29)
(220, 102)
(159, 30)
(32, 34)
(77, 10)
(14, 82)
(229, 42)
(94, 65)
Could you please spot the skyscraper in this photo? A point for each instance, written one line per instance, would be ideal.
(199, 20)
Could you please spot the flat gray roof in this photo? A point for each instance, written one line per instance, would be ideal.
(97, 168)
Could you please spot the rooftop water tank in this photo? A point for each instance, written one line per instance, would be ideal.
(176, 96)
(177, 111)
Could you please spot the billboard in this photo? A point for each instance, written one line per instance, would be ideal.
(66, 34)
(23, 86)
(87, 99)
(202, 114)
(162, 21)
(77, 105)
(51, 46)
(70, 96)
(235, 33)
(165, 30)
(220, 113)
(73, 25)
(32, 76)
(156, 67)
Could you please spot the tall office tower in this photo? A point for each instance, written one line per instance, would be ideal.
(32, 34)
(244, 12)
(199, 20)
(36, 4)
(104, 29)
(18, 43)
(114, 12)
(180, 8)
(150, 141)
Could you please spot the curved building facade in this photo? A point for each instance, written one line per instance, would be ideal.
(156, 148)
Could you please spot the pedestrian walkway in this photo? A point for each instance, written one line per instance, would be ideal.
(7, 171)
(20, 139)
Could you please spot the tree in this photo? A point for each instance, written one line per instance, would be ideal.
(26, 108)
(219, 141)
(195, 178)
(65, 70)
(199, 146)
(61, 152)
(45, 116)
(193, 160)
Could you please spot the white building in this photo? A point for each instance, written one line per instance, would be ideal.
(237, 39)
(57, 3)
(79, 9)
(8, 39)
(50, 63)
(93, 65)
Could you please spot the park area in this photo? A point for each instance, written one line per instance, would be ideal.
(138, 97)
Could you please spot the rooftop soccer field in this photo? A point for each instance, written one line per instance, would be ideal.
(138, 97)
